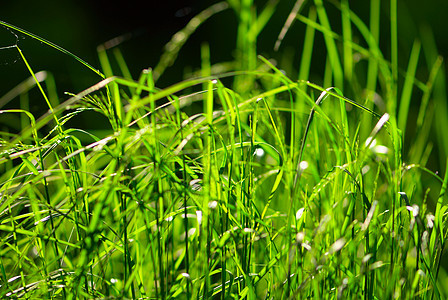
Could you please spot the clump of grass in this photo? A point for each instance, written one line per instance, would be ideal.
(277, 188)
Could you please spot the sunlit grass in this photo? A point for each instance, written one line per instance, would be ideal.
(239, 183)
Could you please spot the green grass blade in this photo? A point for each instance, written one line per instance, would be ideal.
(53, 45)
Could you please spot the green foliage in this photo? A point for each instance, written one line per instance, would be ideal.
(242, 183)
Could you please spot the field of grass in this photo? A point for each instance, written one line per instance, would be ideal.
(248, 179)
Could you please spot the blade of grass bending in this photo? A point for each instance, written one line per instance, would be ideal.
(352, 102)
(53, 45)
(33, 128)
(44, 119)
(319, 100)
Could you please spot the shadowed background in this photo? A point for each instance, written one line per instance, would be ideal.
(80, 26)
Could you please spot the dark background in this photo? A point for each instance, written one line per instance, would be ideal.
(80, 26)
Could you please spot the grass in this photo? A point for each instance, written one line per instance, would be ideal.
(241, 182)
